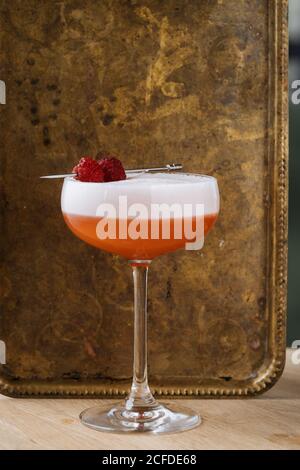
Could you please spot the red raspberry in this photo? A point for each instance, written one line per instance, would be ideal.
(112, 168)
(88, 170)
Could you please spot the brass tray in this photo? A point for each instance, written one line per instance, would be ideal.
(200, 82)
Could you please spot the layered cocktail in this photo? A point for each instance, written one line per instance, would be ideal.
(140, 218)
(153, 205)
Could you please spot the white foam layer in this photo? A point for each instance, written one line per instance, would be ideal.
(81, 198)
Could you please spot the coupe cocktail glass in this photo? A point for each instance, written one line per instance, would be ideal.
(84, 206)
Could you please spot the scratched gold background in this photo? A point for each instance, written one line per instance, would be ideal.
(153, 82)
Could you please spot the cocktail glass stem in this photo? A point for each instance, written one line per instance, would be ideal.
(140, 412)
(140, 398)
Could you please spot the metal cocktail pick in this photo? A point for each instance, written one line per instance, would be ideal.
(170, 167)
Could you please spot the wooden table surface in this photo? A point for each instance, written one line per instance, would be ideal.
(270, 421)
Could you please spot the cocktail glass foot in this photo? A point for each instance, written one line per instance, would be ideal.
(157, 419)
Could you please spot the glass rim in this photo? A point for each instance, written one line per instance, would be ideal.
(181, 173)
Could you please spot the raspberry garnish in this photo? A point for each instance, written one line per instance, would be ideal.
(89, 170)
(112, 168)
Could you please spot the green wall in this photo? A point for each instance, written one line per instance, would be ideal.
(294, 226)
(294, 180)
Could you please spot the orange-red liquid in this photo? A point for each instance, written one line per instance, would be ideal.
(84, 227)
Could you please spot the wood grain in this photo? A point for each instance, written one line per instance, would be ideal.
(271, 421)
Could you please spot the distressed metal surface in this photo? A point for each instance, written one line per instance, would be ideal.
(200, 82)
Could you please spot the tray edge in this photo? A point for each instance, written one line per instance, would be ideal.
(278, 11)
